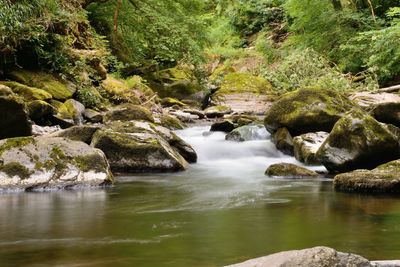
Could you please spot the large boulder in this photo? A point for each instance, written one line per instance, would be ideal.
(387, 113)
(128, 112)
(283, 141)
(312, 257)
(247, 133)
(244, 93)
(71, 110)
(307, 110)
(307, 145)
(41, 112)
(289, 170)
(138, 152)
(14, 120)
(383, 179)
(358, 141)
(28, 93)
(37, 163)
(57, 87)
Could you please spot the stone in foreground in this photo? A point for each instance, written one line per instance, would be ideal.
(247, 133)
(307, 145)
(383, 179)
(44, 163)
(283, 141)
(312, 257)
(289, 170)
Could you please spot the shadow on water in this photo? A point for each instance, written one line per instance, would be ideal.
(222, 210)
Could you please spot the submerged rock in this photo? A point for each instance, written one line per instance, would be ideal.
(283, 141)
(247, 133)
(14, 120)
(37, 163)
(307, 110)
(307, 145)
(226, 126)
(289, 170)
(312, 257)
(383, 179)
(358, 141)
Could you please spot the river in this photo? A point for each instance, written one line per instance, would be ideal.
(222, 210)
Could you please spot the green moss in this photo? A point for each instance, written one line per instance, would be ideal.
(219, 73)
(129, 112)
(170, 101)
(236, 83)
(171, 122)
(118, 91)
(91, 162)
(58, 160)
(289, 170)
(16, 169)
(175, 74)
(28, 93)
(16, 142)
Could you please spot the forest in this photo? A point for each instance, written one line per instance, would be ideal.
(199, 133)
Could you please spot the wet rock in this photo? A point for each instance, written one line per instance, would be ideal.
(40, 163)
(92, 115)
(223, 126)
(307, 110)
(383, 179)
(14, 120)
(83, 133)
(217, 111)
(317, 256)
(358, 141)
(306, 147)
(283, 141)
(184, 116)
(169, 102)
(138, 152)
(289, 170)
(128, 112)
(171, 122)
(247, 133)
(41, 112)
(28, 93)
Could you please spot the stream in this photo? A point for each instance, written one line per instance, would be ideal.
(222, 210)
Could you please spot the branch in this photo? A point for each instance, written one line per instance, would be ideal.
(390, 89)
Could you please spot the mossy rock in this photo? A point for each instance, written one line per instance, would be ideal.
(383, 179)
(175, 74)
(289, 170)
(237, 83)
(40, 111)
(171, 122)
(307, 145)
(219, 73)
(283, 141)
(29, 163)
(138, 152)
(247, 133)
(72, 110)
(5, 91)
(128, 112)
(307, 110)
(83, 133)
(28, 93)
(14, 119)
(169, 102)
(60, 89)
(217, 111)
(118, 91)
(358, 141)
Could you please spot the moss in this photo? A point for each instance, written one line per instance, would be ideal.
(236, 83)
(170, 101)
(289, 170)
(171, 122)
(118, 91)
(92, 162)
(219, 73)
(16, 142)
(57, 87)
(175, 74)
(129, 112)
(28, 93)
(58, 160)
(16, 169)
(39, 110)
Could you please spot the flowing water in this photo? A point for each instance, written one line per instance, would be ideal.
(222, 210)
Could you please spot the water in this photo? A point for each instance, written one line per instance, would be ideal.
(222, 210)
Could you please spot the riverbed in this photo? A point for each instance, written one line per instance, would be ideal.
(222, 210)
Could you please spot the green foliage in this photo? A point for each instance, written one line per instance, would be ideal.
(152, 31)
(303, 68)
(89, 97)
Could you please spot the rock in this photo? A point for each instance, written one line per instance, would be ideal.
(71, 110)
(28, 93)
(92, 115)
(317, 256)
(358, 141)
(128, 112)
(243, 122)
(307, 110)
(244, 93)
(40, 163)
(306, 147)
(283, 141)
(41, 112)
(171, 122)
(383, 179)
(138, 152)
(217, 111)
(226, 126)
(387, 113)
(169, 102)
(196, 112)
(14, 120)
(118, 91)
(247, 133)
(368, 100)
(184, 116)
(38, 130)
(289, 170)
(58, 88)
(83, 133)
